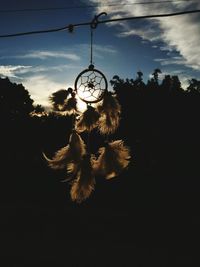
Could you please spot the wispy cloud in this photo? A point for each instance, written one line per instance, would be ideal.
(13, 71)
(45, 87)
(99, 51)
(171, 61)
(21, 71)
(57, 68)
(73, 54)
(180, 34)
(48, 54)
(145, 34)
(105, 49)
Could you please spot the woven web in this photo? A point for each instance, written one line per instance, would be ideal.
(91, 87)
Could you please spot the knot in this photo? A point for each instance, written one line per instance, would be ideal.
(71, 28)
(95, 20)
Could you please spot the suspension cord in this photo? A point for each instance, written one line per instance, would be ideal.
(91, 45)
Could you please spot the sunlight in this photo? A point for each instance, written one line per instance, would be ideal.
(82, 106)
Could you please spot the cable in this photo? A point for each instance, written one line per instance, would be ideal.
(91, 6)
(70, 27)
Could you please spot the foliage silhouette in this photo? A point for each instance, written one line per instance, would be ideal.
(154, 202)
(39, 109)
(159, 118)
(194, 87)
(15, 100)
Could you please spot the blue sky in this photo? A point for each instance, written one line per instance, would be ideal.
(45, 63)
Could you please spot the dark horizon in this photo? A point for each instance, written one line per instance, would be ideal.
(148, 214)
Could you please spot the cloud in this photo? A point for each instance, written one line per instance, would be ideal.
(41, 87)
(105, 49)
(180, 33)
(57, 68)
(187, 41)
(145, 34)
(99, 51)
(13, 71)
(49, 54)
(20, 71)
(37, 80)
(73, 54)
(171, 61)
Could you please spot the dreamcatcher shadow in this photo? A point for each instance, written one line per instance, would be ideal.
(103, 114)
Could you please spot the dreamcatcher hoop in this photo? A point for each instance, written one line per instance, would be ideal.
(91, 85)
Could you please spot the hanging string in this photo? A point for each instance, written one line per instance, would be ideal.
(91, 45)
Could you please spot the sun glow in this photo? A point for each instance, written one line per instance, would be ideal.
(81, 105)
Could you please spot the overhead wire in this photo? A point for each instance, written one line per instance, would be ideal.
(70, 27)
(92, 6)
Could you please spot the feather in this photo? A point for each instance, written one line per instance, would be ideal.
(88, 120)
(113, 158)
(109, 105)
(60, 158)
(71, 105)
(84, 184)
(72, 171)
(77, 146)
(110, 110)
(70, 154)
(108, 123)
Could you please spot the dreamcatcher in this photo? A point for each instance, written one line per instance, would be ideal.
(103, 114)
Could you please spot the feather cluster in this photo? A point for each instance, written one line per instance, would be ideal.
(108, 123)
(59, 98)
(113, 158)
(88, 120)
(69, 155)
(84, 184)
(82, 167)
(110, 110)
(71, 105)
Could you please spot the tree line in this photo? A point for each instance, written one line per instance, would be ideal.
(159, 121)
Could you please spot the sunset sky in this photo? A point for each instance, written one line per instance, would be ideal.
(44, 63)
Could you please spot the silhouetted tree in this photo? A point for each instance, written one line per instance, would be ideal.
(161, 129)
(155, 74)
(153, 84)
(152, 203)
(194, 86)
(15, 100)
(166, 84)
(39, 109)
(176, 85)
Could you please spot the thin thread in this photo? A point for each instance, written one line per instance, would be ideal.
(90, 6)
(91, 46)
(101, 22)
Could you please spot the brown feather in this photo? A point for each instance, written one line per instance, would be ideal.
(88, 120)
(77, 146)
(84, 184)
(60, 158)
(71, 105)
(108, 123)
(72, 153)
(110, 110)
(109, 104)
(113, 158)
